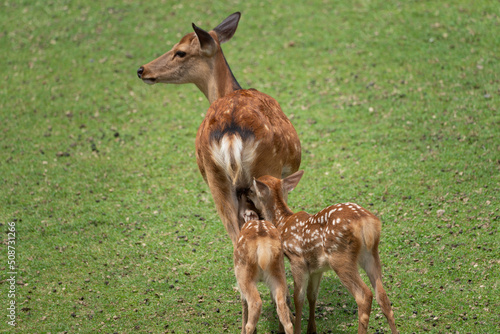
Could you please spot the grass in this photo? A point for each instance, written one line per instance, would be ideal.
(396, 105)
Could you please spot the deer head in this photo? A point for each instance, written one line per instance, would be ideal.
(270, 194)
(197, 58)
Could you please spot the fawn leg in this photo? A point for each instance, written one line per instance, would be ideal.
(254, 308)
(244, 315)
(279, 293)
(312, 296)
(349, 276)
(370, 262)
(300, 278)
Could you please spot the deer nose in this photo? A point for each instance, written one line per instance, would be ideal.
(140, 71)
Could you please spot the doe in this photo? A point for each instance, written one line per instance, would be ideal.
(340, 237)
(244, 134)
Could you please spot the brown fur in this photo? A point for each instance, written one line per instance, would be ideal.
(338, 238)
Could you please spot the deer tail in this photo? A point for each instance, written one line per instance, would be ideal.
(264, 253)
(370, 232)
(234, 155)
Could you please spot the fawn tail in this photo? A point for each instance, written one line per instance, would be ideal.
(264, 253)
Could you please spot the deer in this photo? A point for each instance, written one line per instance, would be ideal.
(244, 134)
(339, 238)
(258, 255)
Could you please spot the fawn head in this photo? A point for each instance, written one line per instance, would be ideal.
(270, 194)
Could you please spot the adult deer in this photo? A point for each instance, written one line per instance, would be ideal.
(245, 134)
(338, 238)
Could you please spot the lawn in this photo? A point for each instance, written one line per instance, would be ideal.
(397, 108)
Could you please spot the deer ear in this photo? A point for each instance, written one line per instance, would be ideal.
(227, 28)
(290, 182)
(207, 43)
(261, 189)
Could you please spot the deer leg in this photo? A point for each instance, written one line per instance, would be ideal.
(349, 276)
(282, 309)
(244, 315)
(242, 278)
(254, 308)
(279, 292)
(312, 296)
(226, 202)
(250, 297)
(291, 316)
(300, 278)
(370, 262)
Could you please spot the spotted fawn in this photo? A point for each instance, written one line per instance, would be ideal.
(338, 238)
(258, 255)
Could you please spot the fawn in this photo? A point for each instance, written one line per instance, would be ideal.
(258, 255)
(339, 237)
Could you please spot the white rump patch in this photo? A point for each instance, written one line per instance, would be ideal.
(235, 157)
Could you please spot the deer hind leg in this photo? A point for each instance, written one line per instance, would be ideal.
(226, 201)
(254, 308)
(291, 316)
(349, 276)
(244, 315)
(279, 293)
(250, 297)
(300, 279)
(312, 296)
(283, 311)
(370, 262)
(252, 305)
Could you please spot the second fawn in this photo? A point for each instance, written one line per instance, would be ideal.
(338, 238)
(258, 255)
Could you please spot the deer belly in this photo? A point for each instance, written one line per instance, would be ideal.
(317, 262)
(315, 258)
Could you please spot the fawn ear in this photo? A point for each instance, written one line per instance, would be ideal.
(207, 43)
(262, 190)
(290, 182)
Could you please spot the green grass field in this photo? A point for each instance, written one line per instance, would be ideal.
(397, 107)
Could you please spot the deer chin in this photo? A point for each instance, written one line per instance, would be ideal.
(150, 81)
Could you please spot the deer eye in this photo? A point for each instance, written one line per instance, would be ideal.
(180, 54)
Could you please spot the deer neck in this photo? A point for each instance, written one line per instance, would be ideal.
(219, 80)
(281, 214)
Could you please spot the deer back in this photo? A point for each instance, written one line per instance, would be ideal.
(258, 246)
(246, 134)
(337, 228)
